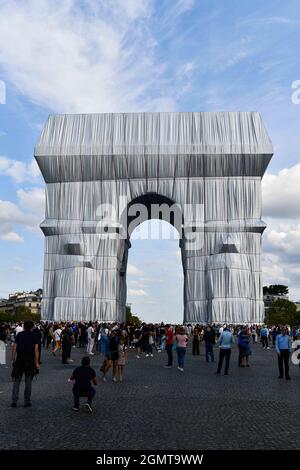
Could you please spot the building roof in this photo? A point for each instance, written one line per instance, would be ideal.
(223, 143)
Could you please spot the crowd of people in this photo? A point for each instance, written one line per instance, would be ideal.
(113, 341)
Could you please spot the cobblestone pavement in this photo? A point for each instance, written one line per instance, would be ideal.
(157, 408)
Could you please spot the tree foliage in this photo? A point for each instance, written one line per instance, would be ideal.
(131, 319)
(22, 313)
(282, 311)
(275, 289)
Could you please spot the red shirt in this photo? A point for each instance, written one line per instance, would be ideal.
(170, 337)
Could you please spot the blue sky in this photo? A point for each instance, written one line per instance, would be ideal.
(133, 55)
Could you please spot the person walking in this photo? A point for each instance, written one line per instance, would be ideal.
(209, 339)
(25, 360)
(57, 339)
(169, 345)
(225, 344)
(181, 339)
(91, 339)
(283, 348)
(112, 357)
(83, 377)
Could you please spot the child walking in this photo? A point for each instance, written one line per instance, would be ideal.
(122, 358)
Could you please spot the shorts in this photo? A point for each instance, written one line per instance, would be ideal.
(113, 356)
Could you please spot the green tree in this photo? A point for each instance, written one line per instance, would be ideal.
(275, 289)
(22, 313)
(282, 311)
(131, 319)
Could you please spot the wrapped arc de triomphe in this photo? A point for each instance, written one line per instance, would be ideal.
(208, 166)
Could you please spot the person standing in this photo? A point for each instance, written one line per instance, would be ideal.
(244, 347)
(283, 349)
(264, 333)
(196, 334)
(225, 344)
(38, 334)
(137, 341)
(209, 339)
(25, 360)
(182, 340)
(169, 345)
(91, 338)
(67, 339)
(122, 358)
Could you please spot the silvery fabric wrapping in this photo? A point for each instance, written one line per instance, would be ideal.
(209, 164)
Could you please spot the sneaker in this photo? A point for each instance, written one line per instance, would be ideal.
(92, 354)
(88, 407)
(75, 409)
(159, 351)
(13, 405)
(178, 368)
(27, 405)
(70, 361)
(114, 379)
(151, 355)
(138, 357)
(104, 379)
(147, 355)
(268, 347)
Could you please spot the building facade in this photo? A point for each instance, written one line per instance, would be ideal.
(30, 300)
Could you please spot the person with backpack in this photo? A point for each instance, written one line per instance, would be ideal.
(83, 377)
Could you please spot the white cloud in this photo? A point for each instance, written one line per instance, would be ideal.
(133, 270)
(136, 293)
(281, 193)
(28, 213)
(32, 199)
(72, 59)
(11, 237)
(18, 269)
(19, 171)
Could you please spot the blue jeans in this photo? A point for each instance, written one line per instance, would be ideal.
(181, 354)
(209, 350)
